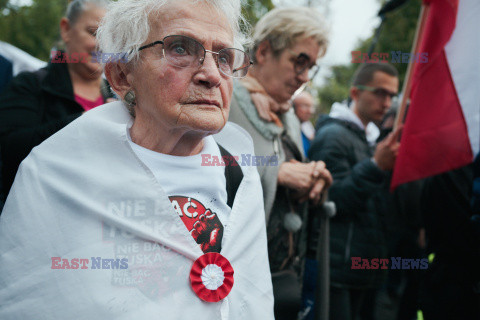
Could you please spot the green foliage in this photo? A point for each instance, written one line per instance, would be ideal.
(337, 86)
(35, 28)
(397, 35)
(253, 10)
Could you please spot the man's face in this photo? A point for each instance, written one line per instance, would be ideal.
(371, 106)
(277, 73)
(304, 106)
(192, 100)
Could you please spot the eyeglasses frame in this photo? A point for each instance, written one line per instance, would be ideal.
(297, 56)
(162, 42)
(373, 89)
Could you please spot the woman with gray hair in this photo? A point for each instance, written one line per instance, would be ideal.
(37, 104)
(124, 189)
(286, 45)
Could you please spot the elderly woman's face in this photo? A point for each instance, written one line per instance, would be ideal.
(277, 73)
(192, 99)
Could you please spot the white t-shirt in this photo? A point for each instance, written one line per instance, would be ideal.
(197, 193)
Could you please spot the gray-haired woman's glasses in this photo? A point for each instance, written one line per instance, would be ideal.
(183, 52)
(302, 62)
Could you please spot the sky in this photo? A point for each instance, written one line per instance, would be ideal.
(349, 21)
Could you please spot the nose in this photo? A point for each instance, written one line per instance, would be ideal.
(387, 101)
(303, 76)
(208, 74)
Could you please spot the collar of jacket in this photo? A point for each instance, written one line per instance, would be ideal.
(267, 129)
(58, 82)
(344, 123)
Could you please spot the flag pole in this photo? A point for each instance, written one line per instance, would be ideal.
(407, 83)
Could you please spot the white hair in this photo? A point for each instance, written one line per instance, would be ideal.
(282, 27)
(126, 25)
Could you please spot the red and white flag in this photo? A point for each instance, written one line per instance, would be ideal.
(442, 127)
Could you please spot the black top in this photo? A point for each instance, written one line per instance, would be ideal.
(357, 230)
(33, 107)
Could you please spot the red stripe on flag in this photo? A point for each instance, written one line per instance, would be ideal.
(435, 136)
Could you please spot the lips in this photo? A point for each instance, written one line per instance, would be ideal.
(207, 102)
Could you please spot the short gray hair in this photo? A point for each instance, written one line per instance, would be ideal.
(282, 27)
(76, 8)
(126, 25)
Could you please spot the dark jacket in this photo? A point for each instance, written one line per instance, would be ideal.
(356, 230)
(33, 107)
(451, 286)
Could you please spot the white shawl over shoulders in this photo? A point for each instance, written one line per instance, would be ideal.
(84, 194)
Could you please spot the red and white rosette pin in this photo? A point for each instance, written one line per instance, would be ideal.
(211, 277)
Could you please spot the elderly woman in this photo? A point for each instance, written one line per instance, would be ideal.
(286, 45)
(38, 104)
(114, 217)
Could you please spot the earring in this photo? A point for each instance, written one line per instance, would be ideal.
(130, 98)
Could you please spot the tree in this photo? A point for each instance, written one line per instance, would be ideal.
(253, 10)
(35, 28)
(397, 35)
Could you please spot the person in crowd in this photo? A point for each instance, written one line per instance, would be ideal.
(18, 61)
(122, 190)
(286, 45)
(346, 144)
(37, 104)
(451, 286)
(405, 237)
(6, 72)
(304, 107)
(12, 62)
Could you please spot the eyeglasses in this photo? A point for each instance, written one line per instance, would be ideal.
(184, 52)
(302, 62)
(379, 92)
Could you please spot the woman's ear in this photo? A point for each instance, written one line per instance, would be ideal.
(64, 29)
(263, 52)
(117, 74)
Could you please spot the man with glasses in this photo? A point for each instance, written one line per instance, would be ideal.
(346, 142)
(286, 45)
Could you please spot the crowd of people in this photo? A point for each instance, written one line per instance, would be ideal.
(104, 165)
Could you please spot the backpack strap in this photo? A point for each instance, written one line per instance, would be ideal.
(233, 176)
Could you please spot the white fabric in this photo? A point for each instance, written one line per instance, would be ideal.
(462, 56)
(84, 193)
(21, 60)
(341, 111)
(185, 176)
(308, 130)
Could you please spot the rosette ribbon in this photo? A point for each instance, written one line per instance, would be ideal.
(211, 277)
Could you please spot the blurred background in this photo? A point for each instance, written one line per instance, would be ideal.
(32, 25)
